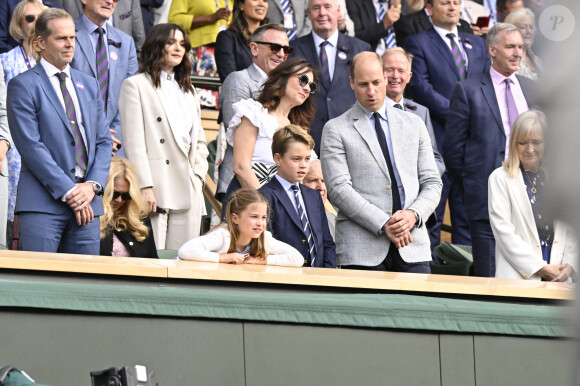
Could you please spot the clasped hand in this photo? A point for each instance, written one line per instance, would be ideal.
(398, 228)
(79, 200)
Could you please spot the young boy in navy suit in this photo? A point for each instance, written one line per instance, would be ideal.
(297, 212)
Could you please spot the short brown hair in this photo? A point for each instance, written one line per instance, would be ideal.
(290, 134)
(42, 28)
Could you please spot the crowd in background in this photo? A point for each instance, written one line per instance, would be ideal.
(347, 128)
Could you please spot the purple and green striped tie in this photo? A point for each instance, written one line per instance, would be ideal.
(457, 56)
(324, 63)
(102, 66)
(80, 150)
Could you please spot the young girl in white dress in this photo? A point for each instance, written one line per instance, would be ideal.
(243, 239)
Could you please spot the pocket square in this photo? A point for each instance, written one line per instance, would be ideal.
(125, 15)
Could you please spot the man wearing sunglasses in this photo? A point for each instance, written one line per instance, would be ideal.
(108, 56)
(269, 46)
(331, 51)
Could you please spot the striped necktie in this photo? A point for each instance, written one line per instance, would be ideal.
(324, 62)
(102, 66)
(390, 41)
(305, 225)
(287, 9)
(457, 56)
(510, 102)
(80, 150)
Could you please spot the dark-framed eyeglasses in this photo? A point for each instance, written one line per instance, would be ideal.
(303, 80)
(275, 47)
(125, 196)
(30, 18)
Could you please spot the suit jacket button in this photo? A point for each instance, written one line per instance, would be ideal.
(303, 241)
(389, 212)
(72, 142)
(388, 187)
(167, 162)
(162, 140)
(329, 99)
(158, 119)
(131, 243)
(72, 170)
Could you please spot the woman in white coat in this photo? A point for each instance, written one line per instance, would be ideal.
(529, 243)
(163, 136)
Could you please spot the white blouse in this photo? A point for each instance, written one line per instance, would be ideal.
(209, 246)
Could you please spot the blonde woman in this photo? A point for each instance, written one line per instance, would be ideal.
(529, 243)
(125, 226)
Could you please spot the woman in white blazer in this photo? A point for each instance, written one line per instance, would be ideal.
(529, 244)
(163, 136)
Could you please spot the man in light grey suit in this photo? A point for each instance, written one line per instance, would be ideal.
(246, 84)
(127, 17)
(397, 64)
(296, 22)
(381, 174)
(5, 143)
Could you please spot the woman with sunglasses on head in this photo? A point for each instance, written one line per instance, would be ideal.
(232, 46)
(21, 58)
(161, 127)
(284, 100)
(125, 226)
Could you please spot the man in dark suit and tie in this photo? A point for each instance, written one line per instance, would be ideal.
(7, 42)
(107, 54)
(418, 22)
(442, 57)
(481, 113)
(55, 114)
(374, 21)
(331, 51)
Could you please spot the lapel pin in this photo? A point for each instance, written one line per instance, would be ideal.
(79, 85)
(342, 55)
(113, 55)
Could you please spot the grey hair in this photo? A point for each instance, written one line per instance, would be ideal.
(394, 50)
(519, 14)
(261, 30)
(492, 36)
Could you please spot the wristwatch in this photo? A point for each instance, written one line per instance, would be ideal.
(97, 188)
(416, 218)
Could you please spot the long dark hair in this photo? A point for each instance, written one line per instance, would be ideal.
(153, 51)
(275, 87)
(239, 24)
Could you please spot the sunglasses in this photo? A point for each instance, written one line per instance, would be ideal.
(30, 18)
(304, 81)
(125, 196)
(275, 47)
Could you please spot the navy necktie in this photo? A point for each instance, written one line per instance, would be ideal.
(383, 144)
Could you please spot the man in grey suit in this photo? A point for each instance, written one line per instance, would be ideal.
(397, 64)
(381, 174)
(127, 17)
(292, 15)
(246, 84)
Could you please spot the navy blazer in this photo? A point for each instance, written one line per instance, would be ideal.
(334, 99)
(145, 248)
(475, 144)
(122, 64)
(435, 73)
(231, 53)
(364, 16)
(418, 22)
(41, 131)
(285, 224)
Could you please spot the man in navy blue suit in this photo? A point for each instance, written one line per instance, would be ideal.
(477, 133)
(56, 118)
(334, 94)
(442, 57)
(6, 10)
(297, 215)
(118, 62)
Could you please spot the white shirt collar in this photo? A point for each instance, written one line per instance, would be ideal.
(262, 72)
(382, 111)
(51, 70)
(332, 39)
(392, 103)
(443, 33)
(285, 184)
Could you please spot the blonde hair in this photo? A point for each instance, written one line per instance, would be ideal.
(128, 217)
(398, 50)
(18, 15)
(530, 123)
(237, 203)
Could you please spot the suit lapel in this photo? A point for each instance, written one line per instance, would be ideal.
(282, 196)
(86, 46)
(489, 94)
(113, 58)
(51, 95)
(363, 126)
(468, 51)
(340, 76)
(313, 217)
(397, 133)
(443, 50)
(84, 104)
(523, 201)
